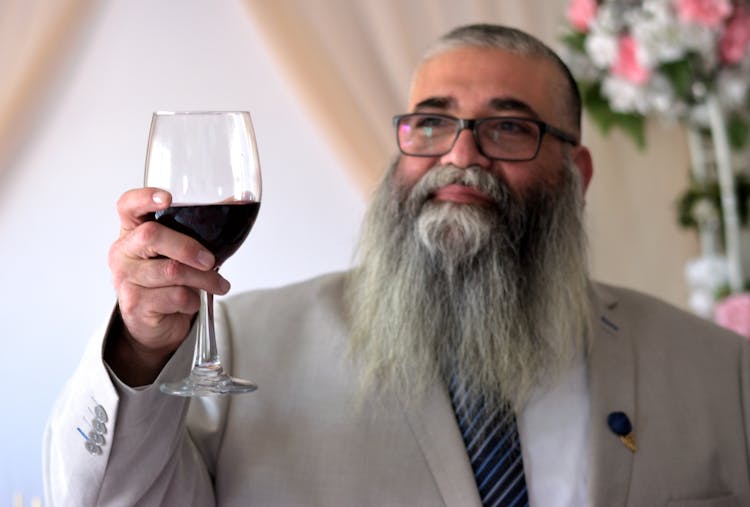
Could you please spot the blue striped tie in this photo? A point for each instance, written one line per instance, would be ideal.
(494, 450)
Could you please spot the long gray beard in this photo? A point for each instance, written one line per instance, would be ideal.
(495, 295)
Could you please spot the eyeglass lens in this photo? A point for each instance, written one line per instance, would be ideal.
(502, 138)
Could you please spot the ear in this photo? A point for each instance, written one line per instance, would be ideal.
(582, 158)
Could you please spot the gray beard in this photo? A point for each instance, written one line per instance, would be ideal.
(496, 295)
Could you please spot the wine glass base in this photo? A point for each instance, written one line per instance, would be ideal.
(208, 383)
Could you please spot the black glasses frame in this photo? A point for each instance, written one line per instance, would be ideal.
(473, 126)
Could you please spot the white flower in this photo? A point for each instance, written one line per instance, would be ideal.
(705, 213)
(705, 275)
(702, 302)
(608, 18)
(660, 96)
(655, 96)
(624, 96)
(707, 272)
(602, 47)
(660, 38)
(732, 87)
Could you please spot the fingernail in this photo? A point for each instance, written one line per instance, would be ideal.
(205, 259)
(159, 197)
(224, 286)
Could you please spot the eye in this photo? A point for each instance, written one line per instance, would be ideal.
(515, 126)
(498, 128)
(436, 122)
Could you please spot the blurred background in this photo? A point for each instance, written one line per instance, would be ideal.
(80, 79)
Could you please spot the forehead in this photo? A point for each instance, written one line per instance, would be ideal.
(472, 81)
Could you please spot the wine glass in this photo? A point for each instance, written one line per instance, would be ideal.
(208, 161)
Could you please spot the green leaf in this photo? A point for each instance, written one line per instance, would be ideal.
(605, 118)
(575, 40)
(597, 106)
(680, 73)
(722, 292)
(738, 132)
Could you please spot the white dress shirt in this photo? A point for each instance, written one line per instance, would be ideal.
(554, 430)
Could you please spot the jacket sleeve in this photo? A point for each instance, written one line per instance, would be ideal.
(107, 444)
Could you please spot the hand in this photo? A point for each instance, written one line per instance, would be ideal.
(156, 272)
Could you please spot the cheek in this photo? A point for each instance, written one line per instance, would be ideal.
(410, 169)
(526, 176)
(521, 180)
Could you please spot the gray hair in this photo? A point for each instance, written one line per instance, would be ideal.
(514, 41)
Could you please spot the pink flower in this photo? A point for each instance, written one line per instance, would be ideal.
(581, 13)
(627, 64)
(709, 13)
(734, 313)
(735, 40)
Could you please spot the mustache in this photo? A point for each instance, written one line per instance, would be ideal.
(473, 177)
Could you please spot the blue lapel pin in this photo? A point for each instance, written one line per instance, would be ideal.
(620, 425)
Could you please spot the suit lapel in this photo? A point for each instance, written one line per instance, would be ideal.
(434, 426)
(612, 384)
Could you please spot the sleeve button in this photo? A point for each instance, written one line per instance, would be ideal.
(99, 426)
(92, 448)
(100, 413)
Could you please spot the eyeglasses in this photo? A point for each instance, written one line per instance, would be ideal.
(498, 138)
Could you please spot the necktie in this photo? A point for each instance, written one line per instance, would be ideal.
(494, 450)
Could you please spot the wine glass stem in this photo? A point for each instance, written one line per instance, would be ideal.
(206, 356)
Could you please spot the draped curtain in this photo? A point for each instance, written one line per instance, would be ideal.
(351, 62)
(34, 36)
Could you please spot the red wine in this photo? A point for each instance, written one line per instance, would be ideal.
(219, 227)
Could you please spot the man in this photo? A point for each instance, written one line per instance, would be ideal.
(470, 308)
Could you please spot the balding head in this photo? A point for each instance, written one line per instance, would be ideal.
(521, 43)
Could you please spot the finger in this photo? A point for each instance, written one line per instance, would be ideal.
(134, 206)
(151, 239)
(164, 272)
(150, 306)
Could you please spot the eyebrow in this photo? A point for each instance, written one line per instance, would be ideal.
(434, 103)
(497, 103)
(511, 104)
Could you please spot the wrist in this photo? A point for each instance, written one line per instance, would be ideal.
(134, 364)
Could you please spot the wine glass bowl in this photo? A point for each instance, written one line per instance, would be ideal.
(208, 161)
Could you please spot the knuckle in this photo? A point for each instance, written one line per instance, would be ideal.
(171, 270)
(122, 203)
(118, 278)
(114, 256)
(119, 264)
(128, 300)
(146, 233)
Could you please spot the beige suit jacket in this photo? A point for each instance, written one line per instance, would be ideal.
(306, 438)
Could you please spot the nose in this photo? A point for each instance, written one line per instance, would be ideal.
(465, 152)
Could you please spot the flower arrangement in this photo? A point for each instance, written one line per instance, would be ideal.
(685, 61)
(638, 58)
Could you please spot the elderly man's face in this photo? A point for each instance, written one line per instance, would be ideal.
(473, 267)
(476, 82)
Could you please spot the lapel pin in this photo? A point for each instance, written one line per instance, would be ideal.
(620, 425)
